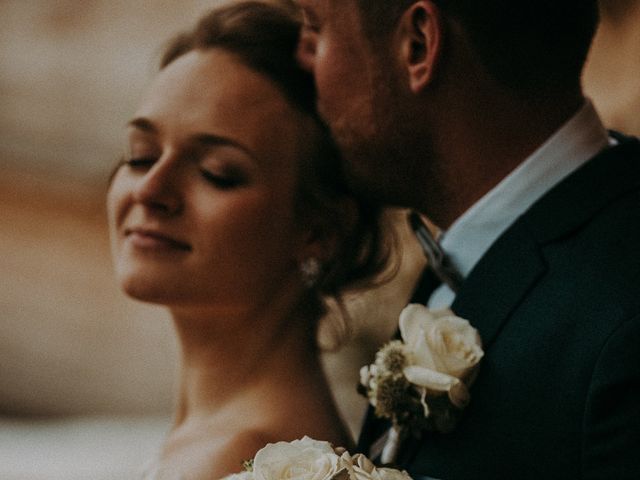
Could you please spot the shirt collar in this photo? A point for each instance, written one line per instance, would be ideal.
(470, 236)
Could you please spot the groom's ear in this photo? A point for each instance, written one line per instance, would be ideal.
(421, 42)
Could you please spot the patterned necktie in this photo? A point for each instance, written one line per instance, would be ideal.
(438, 263)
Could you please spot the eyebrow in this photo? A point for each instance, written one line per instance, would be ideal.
(204, 139)
(143, 124)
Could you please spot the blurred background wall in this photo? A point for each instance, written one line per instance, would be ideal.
(70, 75)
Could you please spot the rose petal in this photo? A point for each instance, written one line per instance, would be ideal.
(410, 323)
(414, 319)
(456, 345)
(308, 458)
(239, 476)
(430, 379)
(341, 475)
(392, 474)
(459, 395)
(423, 355)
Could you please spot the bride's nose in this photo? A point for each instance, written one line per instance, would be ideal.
(159, 188)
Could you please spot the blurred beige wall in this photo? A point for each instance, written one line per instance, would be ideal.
(69, 342)
(70, 75)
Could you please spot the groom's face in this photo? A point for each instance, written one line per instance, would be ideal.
(356, 92)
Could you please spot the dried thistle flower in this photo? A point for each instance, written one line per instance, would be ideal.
(391, 395)
(392, 357)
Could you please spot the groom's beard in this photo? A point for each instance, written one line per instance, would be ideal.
(384, 154)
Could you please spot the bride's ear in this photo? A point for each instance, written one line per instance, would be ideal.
(324, 237)
(421, 40)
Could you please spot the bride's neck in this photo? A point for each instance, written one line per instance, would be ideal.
(232, 362)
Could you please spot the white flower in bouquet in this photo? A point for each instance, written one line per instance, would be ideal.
(361, 468)
(304, 459)
(308, 459)
(240, 476)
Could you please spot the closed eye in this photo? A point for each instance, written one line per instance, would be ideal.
(224, 182)
(140, 163)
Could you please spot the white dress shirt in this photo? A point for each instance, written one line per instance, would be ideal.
(470, 236)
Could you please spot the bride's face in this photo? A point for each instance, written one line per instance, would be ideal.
(202, 212)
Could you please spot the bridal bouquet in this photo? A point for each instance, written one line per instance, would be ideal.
(309, 459)
(421, 382)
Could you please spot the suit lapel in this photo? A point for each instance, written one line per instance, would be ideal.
(514, 263)
(501, 279)
(587, 191)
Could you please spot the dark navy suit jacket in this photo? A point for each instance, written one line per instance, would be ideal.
(556, 300)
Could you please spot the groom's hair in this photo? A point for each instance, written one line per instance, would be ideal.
(529, 46)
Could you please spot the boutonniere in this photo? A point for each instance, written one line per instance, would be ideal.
(422, 381)
(312, 459)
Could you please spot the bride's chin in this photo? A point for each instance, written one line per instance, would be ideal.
(145, 293)
(146, 288)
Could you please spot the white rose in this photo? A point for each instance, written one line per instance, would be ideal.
(392, 474)
(443, 351)
(361, 468)
(304, 459)
(240, 476)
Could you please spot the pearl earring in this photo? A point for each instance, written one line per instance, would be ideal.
(310, 271)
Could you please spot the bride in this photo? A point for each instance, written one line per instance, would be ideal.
(229, 210)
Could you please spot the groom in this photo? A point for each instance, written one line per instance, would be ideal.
(471, 112)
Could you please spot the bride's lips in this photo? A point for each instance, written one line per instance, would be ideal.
(148, 239)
